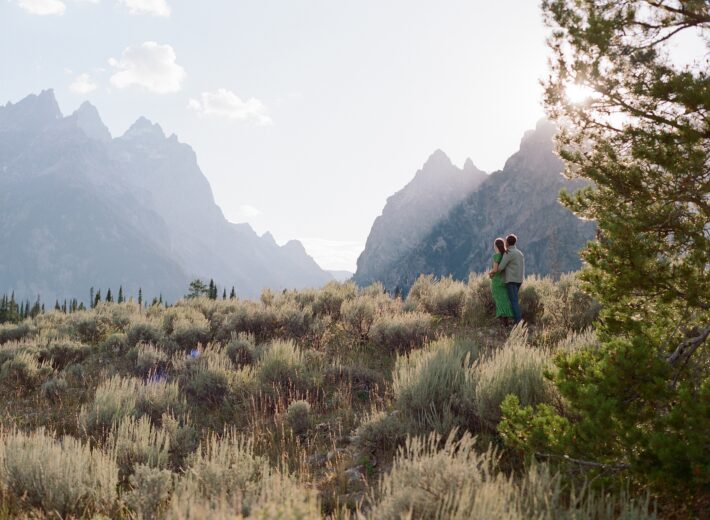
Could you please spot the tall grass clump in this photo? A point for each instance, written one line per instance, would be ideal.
(450, 479)
(431, 385)
(516, 368)
(120, 397)
(137, 441)
(61, 477)
(226, 467)
(443, 297)
(298, 416)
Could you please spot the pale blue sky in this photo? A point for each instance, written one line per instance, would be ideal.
(349, 97)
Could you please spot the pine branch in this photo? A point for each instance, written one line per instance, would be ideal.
(688, 346)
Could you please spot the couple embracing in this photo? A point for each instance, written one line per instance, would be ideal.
(506, 278)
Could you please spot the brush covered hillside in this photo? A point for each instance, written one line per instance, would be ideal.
(522, 199)
(331, 403)
(79, 208)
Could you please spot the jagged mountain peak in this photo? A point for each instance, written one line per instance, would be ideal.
(144, 128)
(437, 160)
(468, 166)
(87, 119)
(33, 112)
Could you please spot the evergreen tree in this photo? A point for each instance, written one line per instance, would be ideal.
(64, 306)
(233, 294)
(81, 307)
(224, 293)
(97, 298)
(91, 297)
(56, 306)
(109, 296)
(140, 297)
(640, 403)
(121, 299)
(197, 289)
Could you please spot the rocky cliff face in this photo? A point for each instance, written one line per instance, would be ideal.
(80, 209)
(522, 199)
(411, 214)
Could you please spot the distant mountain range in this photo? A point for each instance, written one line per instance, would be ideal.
(79, 208)
(445, 220)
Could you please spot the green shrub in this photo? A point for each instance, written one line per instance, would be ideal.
(241, 349)
(569, 307)
(10, 332)
(479, 307)
(575, 341)
(444, 297)
(62, 477)
(149, 359)
(251, 318)
(535, 293)
(137, 442)
(186, 326)
(281, 364)
(381, 432)
(150, 491)
(90, 327)
(432, 386)
(357, 316)
(398, 332)
(53, 389)
(359, 376)
(25, 372)
(298, 416)
(63, 352)
(143, 331)
(157, 397)
(516, 368)
(115, 343)
(294, 321)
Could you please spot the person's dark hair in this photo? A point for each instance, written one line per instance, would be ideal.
(511, 240)
(500, 246)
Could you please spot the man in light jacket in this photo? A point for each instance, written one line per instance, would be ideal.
(513, 266)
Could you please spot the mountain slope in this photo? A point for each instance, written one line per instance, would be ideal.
(412, 212)
(81, 209)
(522, 199)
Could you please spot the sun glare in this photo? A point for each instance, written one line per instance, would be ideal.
(578, 94)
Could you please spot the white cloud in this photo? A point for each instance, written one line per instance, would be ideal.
(149, 65)
(224, 103)
(43, 7)
(154, 7)
(249, 211)
(82, 84)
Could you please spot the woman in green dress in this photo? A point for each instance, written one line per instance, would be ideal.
(500, 293)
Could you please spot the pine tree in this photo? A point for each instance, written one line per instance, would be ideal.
(121, 299)
(641, 401)
(97, 298)
(140, 297)
(197, 289)
(56, 306)
(109, 296)
(92, 299)
(233, 294)
(224, 293)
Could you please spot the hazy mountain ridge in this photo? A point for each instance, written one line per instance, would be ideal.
(411, 213)
(80, 209)
(522, 198)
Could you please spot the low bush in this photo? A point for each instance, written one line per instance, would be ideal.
(432, 386)
(382, 433)
(137, 442)
(443, 297)
(25, 372)
(63, 352)
(298, 416)
(150, 491)
(241, 349)
(401, 331)
(479, 307)
(281, 364)
(115, 343)
(143, 331)
(516, 368)
(186, 326)
(90, 327)
(11, 332)
(252, 318)
(62, 477)
(53, 389)
(450, 480)
(149, 359)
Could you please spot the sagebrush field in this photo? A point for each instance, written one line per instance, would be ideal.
(339, 402)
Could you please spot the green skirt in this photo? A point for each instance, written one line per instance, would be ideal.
(500, 296)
